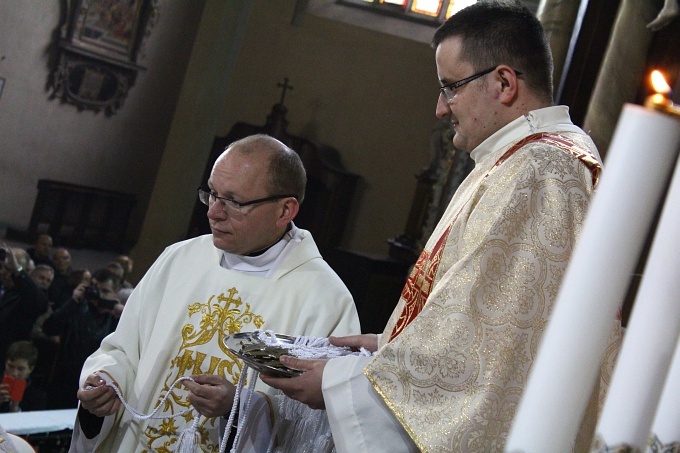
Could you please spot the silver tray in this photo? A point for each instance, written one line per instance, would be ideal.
(260, 356)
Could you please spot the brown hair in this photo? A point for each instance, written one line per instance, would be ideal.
(23, 350)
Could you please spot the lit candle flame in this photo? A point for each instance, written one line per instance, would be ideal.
(660, 100)
(659, 82)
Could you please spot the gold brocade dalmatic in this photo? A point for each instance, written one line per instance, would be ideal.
(221, 315)
(453, 366)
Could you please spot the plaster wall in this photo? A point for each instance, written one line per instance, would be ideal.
(45, 139)
(369, 94)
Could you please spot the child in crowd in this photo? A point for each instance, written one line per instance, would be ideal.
(17, 392)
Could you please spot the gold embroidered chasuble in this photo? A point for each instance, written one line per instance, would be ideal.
(174, 323)
(456, 352)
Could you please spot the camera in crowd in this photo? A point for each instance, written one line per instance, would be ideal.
(93, 296)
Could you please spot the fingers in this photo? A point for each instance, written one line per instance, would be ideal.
(211, 395)
(280, 383)
(211, 379)
(79, 292)
(305, 388)
(367, 341)
(94, 380)
(4, 393)
(100, 401)
(98, 398)
(297, 364)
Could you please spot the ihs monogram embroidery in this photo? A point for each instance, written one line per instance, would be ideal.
(218, 317)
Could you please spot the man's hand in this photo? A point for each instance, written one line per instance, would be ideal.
(211, 395)
(10, 258)
(6, 398)
(117, 310)
(79, 293)
(4, 393)
(367, 341)
(305, 388)
(101, 400)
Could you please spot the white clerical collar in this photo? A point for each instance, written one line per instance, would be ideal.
(548, 119)
(263, 263)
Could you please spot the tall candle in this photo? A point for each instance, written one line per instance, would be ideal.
(666, 425)
(650, 338)
(640, 158)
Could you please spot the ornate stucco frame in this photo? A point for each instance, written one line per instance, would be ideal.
(98, 45)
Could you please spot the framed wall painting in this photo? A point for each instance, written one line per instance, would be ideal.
(98, 47)
(109, 27)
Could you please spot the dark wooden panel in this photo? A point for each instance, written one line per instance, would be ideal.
(82, 217)
(375, 283)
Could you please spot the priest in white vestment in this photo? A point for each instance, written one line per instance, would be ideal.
(451, 364)
(256, 270)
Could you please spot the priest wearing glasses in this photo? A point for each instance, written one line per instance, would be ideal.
(256, 270)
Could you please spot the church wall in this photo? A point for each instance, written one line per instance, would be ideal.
(370, 95)
(44, 139)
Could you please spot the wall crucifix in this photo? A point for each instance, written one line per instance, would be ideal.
(284, 87)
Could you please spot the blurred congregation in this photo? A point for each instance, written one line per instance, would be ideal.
(54, 311)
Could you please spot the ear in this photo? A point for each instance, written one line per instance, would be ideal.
(508, 84)
(289, 210)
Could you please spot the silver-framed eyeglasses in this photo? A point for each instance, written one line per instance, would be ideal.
(449, 90)
(231, 206)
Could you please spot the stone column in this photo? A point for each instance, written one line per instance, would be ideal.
(193, 129)
(558, 18)
(622, 70)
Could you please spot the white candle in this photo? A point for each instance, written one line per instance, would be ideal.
(666, 426)
(650, 337)
(641, 156)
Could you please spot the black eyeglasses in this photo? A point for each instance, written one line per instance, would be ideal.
(449, 90)
(231, 206)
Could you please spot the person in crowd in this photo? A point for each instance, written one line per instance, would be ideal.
(47, 346)
(18, 392)
(127, 264)
(60, 291)
(78, 276)
(257, 270)
(42, 275)
(117, 268)
(75, 278)
(24, 259)
(454, 358)
(81, 323)
(41, 250)
(22, 300)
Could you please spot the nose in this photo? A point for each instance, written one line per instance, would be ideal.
(443, 109)
(215, 212)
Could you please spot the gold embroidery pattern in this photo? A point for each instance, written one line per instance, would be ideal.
(600, 446)
(219, 316)
(454, 375)
(654, 445)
